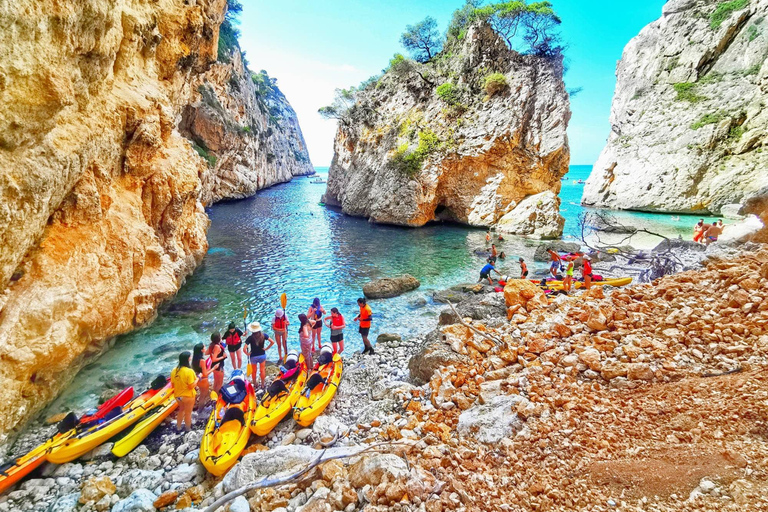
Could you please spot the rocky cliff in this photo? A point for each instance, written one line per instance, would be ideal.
(688, 117)
(466, 137)
(102, 215)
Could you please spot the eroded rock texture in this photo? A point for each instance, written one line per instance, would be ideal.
(688, 116)
(407, 155)
(101, 197)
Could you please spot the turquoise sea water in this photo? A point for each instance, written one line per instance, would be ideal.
(282, 240)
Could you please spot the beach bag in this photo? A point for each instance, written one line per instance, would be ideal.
(234, 392)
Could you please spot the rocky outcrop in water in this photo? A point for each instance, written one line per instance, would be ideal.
(688, 116)
(101, 210)
(466, 137)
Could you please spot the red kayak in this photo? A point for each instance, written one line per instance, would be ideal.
(13, 471)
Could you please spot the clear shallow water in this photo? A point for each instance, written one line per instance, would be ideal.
(282, 240)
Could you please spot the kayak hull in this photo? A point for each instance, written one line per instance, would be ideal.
(308, 408)
(89, 439)
(577, 285)
(222, 445)
(145, 427)
(270, 412)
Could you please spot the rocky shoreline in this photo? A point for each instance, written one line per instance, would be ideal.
(559, 404)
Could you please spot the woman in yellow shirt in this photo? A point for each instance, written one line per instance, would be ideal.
(184, 380)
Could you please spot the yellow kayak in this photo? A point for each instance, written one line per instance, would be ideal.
(89, 439)
(577, 285)
(313, 401)
(227, 431)
(278, 401)
(151, 421)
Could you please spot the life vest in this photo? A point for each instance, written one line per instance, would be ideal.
(279, 324)
(365, 316)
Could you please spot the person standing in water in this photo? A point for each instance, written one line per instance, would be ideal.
(203, 371)
(364, 317)
(305, 340)
(698, 230)
(523, 269)
(488, 236)
(315, 316)
(586, 272)
(233, 338)
(336, 324)
(568, 277)
(218, 357)
(254, 348)
(485, 273)
(556, 260)
(280, 327)
(184, 381)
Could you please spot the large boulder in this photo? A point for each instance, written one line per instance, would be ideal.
(524, 293)
(536, 216)
(390, 287)
(372, 470)
(430, 358)
(493, 421)
(476, 307)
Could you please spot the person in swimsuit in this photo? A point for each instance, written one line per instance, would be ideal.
(523, 269)
(254, 348)
(233, 337)
(487, 236)
(315, 316)
(336, 324)
(568, 277)
(713, 232)
(202, 370)
(502, 255)
(556, 259)
(218, 357)
(365, 324)
(586, 272)
(305, 340)
(280, 327)
(494, 254)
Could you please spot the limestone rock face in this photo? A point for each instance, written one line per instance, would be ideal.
(688, 118)
(407, 155)
(389, 287)
(537, 216)
(101, 197)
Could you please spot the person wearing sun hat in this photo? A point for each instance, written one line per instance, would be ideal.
(280, 328)
(254, 347)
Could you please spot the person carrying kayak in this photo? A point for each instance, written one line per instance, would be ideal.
(365, 324)
(254, 348)
(233, 338)
(485, 273)
(586, 272)
(280, 327)
(218, 357)
(336, 324)
(568, 280)
(523, 269)
(305, 340)
(202, 370)
(556, 261)
(315, 316)
(184, 381)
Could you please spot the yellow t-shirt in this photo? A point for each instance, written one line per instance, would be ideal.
(183, 381)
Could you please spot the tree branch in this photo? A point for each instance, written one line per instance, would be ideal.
(494, 340)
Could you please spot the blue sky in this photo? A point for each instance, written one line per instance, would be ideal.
(313, 47)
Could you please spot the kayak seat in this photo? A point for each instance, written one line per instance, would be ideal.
(325, 358)
(234, 392)
(233, 413)
(67, 423)
(113, 413)
(315, 380)
(277, 388)
(158, 383)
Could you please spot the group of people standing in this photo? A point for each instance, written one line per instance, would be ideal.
(190, 378)
(704, 233)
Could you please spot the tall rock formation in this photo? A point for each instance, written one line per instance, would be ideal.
(466, 137)
(101, 196)
(688, 121)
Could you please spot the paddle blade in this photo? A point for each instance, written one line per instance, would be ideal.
(283, 300)
(214, 396)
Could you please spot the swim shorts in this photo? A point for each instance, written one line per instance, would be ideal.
(364, 330)
(335, 338)
(234, 348)
(258, 359)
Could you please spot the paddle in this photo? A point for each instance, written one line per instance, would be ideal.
(245, 316)
(214, 396)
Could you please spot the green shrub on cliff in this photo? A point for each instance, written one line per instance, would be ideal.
(410, 162)
(686, 91)
(228, 31)
(448, 92)
(493, 83)
(711, 118)
(724, 10)
(203, 152)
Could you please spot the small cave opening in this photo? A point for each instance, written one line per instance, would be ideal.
(444, 214)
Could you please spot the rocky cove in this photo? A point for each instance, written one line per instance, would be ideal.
(127, 129)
